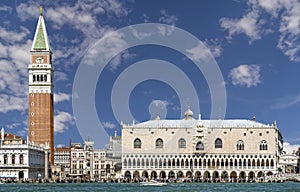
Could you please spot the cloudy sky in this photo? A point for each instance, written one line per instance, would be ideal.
(255, 44)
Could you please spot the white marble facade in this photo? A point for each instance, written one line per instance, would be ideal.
(200, 149)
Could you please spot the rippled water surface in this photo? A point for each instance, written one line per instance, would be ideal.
(287, 186)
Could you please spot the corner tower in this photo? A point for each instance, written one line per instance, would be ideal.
(40, 98)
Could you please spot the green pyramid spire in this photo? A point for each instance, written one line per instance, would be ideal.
(41, 42)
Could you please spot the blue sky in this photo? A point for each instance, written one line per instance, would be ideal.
(255, 44)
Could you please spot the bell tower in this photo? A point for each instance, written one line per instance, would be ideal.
(40, 98)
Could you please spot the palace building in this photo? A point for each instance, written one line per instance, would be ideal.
(40, 98)
(208, 150)
(19, 159)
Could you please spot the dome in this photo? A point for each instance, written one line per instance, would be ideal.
(188, 113)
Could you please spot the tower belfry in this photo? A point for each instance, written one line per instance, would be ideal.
(40, 98)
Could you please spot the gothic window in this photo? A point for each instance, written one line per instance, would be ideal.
(137, 144)
(240, 145)
(159, 143)
(199, 146)
(263, 145)
(37, 78)
(218, 143)
(45, 78)
(42, 78)
(33, 78)
(181, 143)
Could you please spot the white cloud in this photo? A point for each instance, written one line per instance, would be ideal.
(60, 145)
(271, 6)
(145, 18)
(214, 45)
(15, 46)
(60, 97)
(289, 148)
(253, 24)
(159, 103)
(108, 125)
(286, 102)
(111, 43)
(27, 10)
(159, 107)
(140, 35)
(12, 103)
(166, 18)
(249, 24)
(61, 121)
(60, 76)
(289, 41)
(198, 53)
(13, 36)
(248, 75)
(5, 8)
(85, 17)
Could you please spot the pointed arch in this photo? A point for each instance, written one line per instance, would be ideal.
(218, 143)
(181, 143)
(137, 143)
(199, 146)
(263, 146)
(240, 145)
(159, 143)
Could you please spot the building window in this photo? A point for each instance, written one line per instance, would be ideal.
(218, 143)
(159, 143)
(263, 145)
(5, 159)
(240, 145)
(13, 159)
(181, 143)
(21, 159)
(199, 146)
(137, 144)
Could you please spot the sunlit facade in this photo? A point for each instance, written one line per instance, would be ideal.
(19, 159)
(200, 149)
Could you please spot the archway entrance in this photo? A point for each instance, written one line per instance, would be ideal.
(206, 175)
(127, 175)
(21, 175)
(242, 175)
(251, 176)
(224, 176)
(233, 176)
(162, 175)
(136, 175)
(189, 174)
(179, 174)
(215, 175)
(145, 174)
(171, 174)
(153, 175)
(198, 175)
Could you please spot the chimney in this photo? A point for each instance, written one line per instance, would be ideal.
(254, 118)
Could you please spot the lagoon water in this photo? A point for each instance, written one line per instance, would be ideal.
(64, 187)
